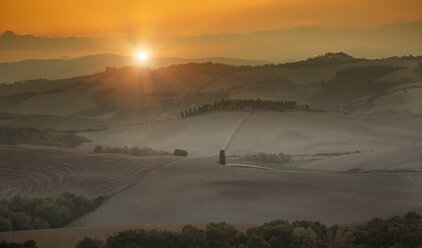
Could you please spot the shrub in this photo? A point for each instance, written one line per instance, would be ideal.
(403, 231)
(192, 236)
(98, 149)
(90, 243)
(44, 137)
(26, 244)
(280, 158)
(399, 231)
(5, 224)
(277, 232)
(126, 239)
(303, 238)
(180, 152)
(21, 221)
(258, 242)
(21, 213)
(134, 151)
(220, 235)
(52, 213)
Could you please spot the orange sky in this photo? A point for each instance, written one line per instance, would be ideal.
(186, 17)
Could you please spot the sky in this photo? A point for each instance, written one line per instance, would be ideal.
(272, 30)
(162, 18)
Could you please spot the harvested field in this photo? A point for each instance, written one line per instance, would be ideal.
(270, 132)
(394, 159)
(40, 172)
(172, 190)
(201, 191)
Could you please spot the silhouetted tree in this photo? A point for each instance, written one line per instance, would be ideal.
(98, 149)
(20, 213)
(90, 243)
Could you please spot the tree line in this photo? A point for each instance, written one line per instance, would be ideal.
(280, 158)
(246, 105)
(26, 244)
(133, 150)
(20, 213)
(399, 231)
(43, 137)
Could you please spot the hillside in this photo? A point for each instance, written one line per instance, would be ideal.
(44, 137)
(65, 68)
(288, 132)
(41, 172)
(200, 191)
(334, 82)
(171, 190)
(405, 158)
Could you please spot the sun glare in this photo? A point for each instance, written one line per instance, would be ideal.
(142, 56)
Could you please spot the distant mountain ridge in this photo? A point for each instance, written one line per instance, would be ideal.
(65, 68)
(52, 69)
(275, 45)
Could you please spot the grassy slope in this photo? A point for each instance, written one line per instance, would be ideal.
(32, 171)
(200, 191)
(288, 132)
(130, 88)
(185, 190)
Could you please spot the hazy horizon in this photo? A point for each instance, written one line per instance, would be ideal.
(283, 45)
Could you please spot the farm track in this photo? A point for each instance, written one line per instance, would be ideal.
(238, 127)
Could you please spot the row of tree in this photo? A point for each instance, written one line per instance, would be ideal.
(26, 244)
(138, 151)
(280, 158)
(245, 105)
(21, 213)
(133, 150)
(400, 231)
(43, 137)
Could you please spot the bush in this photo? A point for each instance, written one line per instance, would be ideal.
(44, 137)
(405, 231)
(192, 236)
(26, 244)
(98, 149)
(277, 232)
(134, 151)
(5, 225)
(90, 243)
(220, 235)
(126, 239)
(21, 213)
(400, 231)
(21, 221)
(180, 152)
(280, 158)
(258, 242)
(52, 213)
(303, 238)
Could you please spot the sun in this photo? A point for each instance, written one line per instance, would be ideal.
(142, 56)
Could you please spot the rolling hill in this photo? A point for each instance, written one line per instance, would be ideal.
(171, 190)
(43, 172)
(333, 82)
(201, 191)
(288, 132)
(65, 68)
(394, 159)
